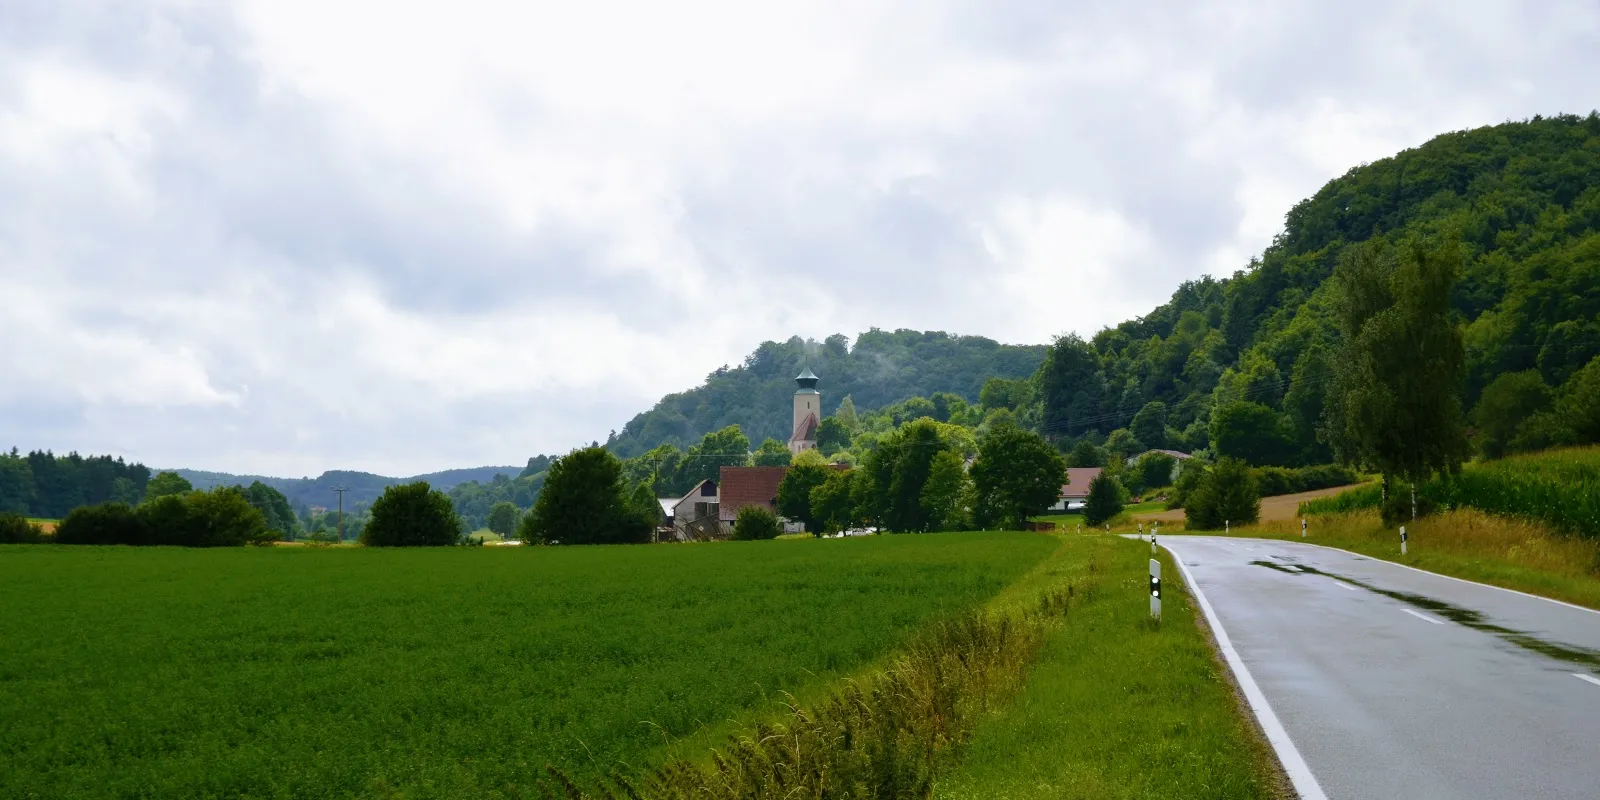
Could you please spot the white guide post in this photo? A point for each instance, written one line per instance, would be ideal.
(1302, 527)
(1155, 589)
(1402, 540)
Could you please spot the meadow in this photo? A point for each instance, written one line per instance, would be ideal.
(299, 672)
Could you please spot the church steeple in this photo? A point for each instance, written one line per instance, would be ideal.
(806, 381)
(807, 412)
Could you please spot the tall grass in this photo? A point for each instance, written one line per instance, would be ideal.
(884, 736)
(1560, 488)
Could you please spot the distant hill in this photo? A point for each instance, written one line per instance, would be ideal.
(879, 369)
(364, 487)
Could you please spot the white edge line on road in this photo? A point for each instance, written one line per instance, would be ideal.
(1305, 784)
(1589, 678)
(1435, 574)
(1423, 617)
(1342, 585)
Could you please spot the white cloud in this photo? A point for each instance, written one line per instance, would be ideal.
(285, 236)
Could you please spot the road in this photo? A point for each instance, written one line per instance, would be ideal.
(1391, 682)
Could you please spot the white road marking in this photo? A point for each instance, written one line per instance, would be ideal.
(1423, 617)
(1305, 784)
(1342, 585)
(1589, 678)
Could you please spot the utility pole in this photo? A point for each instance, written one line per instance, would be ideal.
(341, 490)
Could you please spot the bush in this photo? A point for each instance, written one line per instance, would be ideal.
(1105, 500)
(16, 529)
(223, 517)
(755, 522)
(1397, 509)
(413, 515)
(1155, 470)
(1227, 495)
(106, 523)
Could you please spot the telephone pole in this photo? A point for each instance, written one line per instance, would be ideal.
(341, 490)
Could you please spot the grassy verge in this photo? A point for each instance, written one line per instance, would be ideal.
(1465, 543)
(1118, 707)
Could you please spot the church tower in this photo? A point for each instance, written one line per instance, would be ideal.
(807, 412)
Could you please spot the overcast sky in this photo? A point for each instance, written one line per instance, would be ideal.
(287, 236)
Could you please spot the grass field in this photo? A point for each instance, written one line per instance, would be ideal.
(49, 525)
(1466, 543)
(282, 672)
(1118, 707)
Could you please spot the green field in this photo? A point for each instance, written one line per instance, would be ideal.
(281, 672)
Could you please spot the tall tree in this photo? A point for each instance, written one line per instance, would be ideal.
(1150, 424)
(1017, 475)
(1395, 403)
(945, 492)
(832, 436)
(503, 518)
(584, 501)
(412, 515)
(1252, 432)
(794, 494)
(899, 467)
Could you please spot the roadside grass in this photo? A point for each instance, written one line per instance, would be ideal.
(1465, 543)
(448, 672)
(1117, 706)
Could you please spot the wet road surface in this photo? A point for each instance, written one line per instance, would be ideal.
(1391, 682)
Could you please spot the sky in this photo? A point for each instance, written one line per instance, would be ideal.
(283, 236)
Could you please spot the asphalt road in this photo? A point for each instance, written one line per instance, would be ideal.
(1394, 683)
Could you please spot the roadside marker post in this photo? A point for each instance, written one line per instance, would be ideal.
(1227, 526)
(1155, 589)
(1402, 540)
(1302, 527)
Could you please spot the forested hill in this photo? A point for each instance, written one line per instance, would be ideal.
(881, 368)
(1523, 199)
(364, 487)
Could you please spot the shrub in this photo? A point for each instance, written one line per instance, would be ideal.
(413, 515)
(166, 520)
(755, 522)
(106, 523)
(1104, 501)
(794, 492)
(224, 517)
(1273, 481)
(16, 529)
(1397, 510)
(1227, 494)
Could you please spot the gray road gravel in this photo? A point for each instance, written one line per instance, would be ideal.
(1394, 683)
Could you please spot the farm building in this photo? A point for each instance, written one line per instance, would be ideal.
(1076, 489)
(694, 516)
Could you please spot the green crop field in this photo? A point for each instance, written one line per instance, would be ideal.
(301, 672)
(1560, 488)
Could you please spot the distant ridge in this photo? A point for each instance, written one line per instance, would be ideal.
(364, 486)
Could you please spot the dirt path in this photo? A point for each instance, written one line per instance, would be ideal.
(1283, 506)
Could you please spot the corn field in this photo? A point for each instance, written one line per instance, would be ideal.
(1560, 488)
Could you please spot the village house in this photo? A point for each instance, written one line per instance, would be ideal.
(1076, 490)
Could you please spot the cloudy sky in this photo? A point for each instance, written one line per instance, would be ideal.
(283, 236)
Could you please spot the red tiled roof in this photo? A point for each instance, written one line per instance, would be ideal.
(806, 431)
(752, 486)
(1078, 480)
